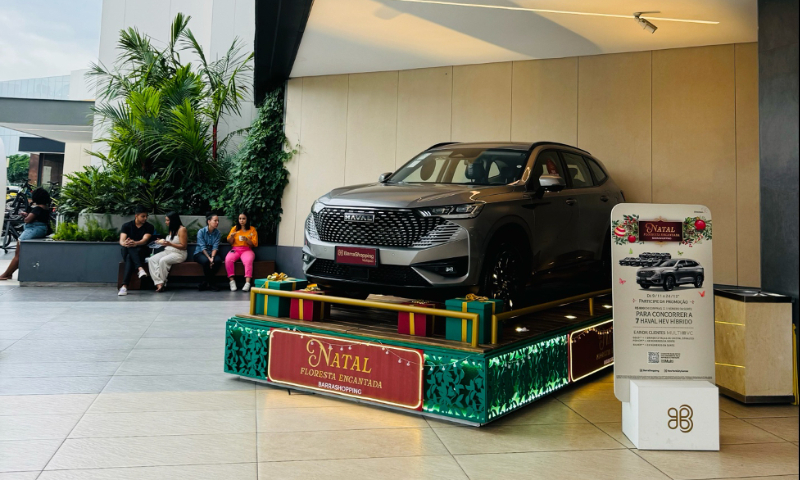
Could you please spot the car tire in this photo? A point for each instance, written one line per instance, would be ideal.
(669, 283)
(698, 281)
(504, 272)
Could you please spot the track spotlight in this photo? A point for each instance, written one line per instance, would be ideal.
(644, 23)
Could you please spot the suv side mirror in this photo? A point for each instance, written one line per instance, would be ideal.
(384, 176)
(552, 183)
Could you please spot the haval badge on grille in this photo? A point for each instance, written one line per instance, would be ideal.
(359, 217)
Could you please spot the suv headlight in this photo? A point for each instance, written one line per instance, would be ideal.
(317, 206)
(656, 275)
(470, 210)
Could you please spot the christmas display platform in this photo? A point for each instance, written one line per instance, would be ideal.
(357, 353)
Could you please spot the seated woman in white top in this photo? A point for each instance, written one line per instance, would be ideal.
(175, 251)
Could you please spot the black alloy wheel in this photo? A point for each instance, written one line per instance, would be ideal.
(698, 281)
(669, 283)
(503, 274)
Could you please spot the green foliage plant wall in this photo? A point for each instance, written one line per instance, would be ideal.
(259, 173)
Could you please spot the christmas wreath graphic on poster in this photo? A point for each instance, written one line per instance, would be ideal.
(662, 273)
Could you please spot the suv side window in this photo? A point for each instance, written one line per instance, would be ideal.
(547, 163)
(578, 171)
(599, 175)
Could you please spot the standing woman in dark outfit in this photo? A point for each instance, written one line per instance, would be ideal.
(207, 251)
(37, 225)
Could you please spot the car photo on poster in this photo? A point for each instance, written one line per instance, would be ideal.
(670, 274)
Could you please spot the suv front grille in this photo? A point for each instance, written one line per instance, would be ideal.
(383, 274)
(391, 228)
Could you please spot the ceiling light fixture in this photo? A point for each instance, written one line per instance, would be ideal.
(644, 23)
(560, 12)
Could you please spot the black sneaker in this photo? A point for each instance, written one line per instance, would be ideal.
(203, 286)
(213, 288)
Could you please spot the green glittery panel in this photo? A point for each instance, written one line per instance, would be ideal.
(458, 390)
(246, 350)
(521, 376)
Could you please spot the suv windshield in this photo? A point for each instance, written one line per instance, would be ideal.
(463, 166)
(669, 263)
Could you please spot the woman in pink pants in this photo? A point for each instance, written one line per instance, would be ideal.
(243, 238)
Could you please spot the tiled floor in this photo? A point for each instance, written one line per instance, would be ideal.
(93, 386)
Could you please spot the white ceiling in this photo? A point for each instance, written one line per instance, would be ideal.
(350, 36)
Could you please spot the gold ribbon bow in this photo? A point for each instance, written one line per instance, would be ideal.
(277, 277)
(471, 297)
(311, 288)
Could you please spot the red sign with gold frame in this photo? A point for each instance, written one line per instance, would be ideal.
(380, 373)
(591, 349)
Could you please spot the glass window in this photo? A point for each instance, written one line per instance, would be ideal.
(577, 170)
(473, 166)
(597, 170)
(547, 163)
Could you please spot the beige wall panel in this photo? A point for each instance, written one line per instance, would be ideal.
(294, 111)
(482, 102)
(747, 176)
(694, 144)
(371, 126)
(544, 102)
(424, 99)
(614, 118)
(323, 141)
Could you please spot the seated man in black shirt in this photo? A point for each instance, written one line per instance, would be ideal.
(134, 237)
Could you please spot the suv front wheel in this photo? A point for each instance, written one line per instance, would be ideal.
(669, 283)
(503, 273)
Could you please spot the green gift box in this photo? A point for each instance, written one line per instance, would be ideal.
(460, 330)
(276, 306)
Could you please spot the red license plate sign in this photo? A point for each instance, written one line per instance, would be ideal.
(591, 349)
(379, 373)
(363, 257)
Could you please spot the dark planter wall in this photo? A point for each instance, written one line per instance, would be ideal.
(778, 135)
(85, 262)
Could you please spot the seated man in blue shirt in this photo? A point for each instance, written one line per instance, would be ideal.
(207, 252)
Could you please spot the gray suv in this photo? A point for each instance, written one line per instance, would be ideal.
(671, 273)
(464, 217)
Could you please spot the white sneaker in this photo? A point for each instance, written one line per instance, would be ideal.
(233, 285)
(122, 292)
(246, 287)
(142, 273)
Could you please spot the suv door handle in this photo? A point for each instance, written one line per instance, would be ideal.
(604, 198)
(571, 201)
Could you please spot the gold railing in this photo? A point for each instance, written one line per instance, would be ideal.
(499, 317)
(474, 317)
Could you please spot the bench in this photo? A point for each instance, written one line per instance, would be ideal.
(261, 269)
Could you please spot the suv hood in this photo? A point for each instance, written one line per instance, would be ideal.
(652, 270)
(410, 195)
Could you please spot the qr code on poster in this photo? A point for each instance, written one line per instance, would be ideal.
(652, 357)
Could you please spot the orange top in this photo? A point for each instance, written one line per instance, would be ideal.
(251, 234)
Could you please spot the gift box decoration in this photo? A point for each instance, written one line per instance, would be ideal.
(460, 330)
(272, 305)
(309, 310)
(416, 324)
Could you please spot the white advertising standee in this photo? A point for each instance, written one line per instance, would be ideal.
(663, 290)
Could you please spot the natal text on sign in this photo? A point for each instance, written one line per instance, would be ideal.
(380, 373)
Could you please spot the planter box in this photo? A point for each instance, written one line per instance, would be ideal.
(87, 262)
(191, 222)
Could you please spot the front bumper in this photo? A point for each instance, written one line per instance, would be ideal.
(650, 280)
(398, 267)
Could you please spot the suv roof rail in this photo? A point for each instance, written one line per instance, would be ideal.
(536, 144)
(441, 144)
